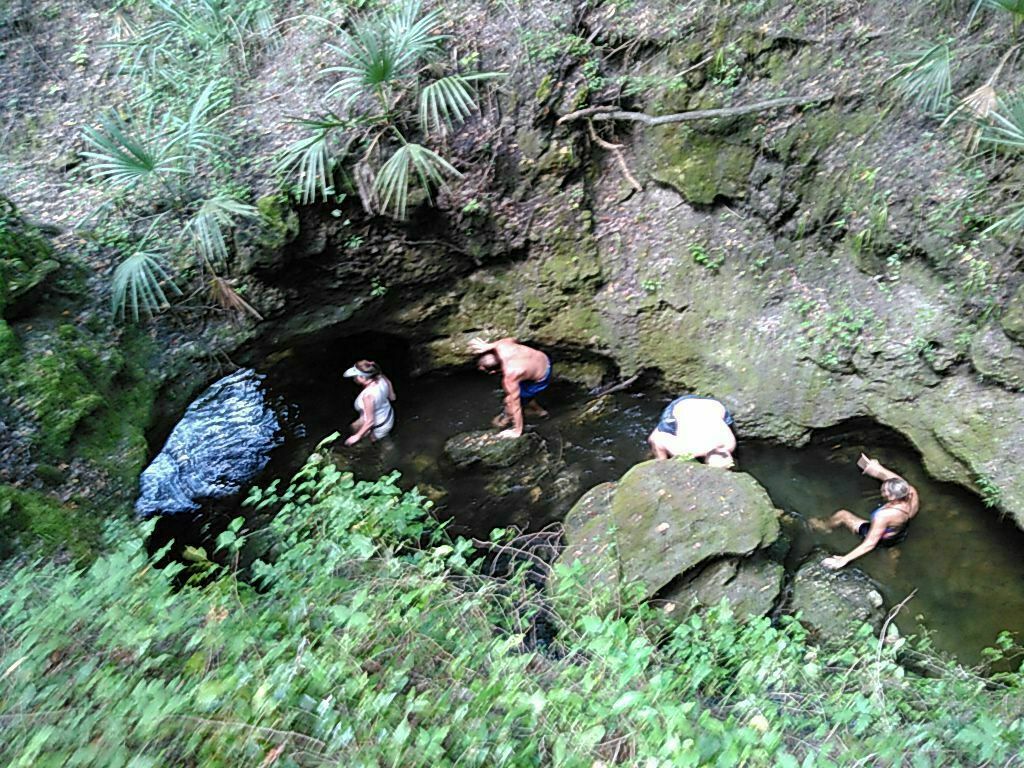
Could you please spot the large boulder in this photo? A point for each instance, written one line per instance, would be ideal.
(834, 604)
(663, 518)
(221, 443)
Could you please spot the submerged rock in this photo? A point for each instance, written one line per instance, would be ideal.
(485, 449)
(221, 443)
(663, 518)
(834, 604)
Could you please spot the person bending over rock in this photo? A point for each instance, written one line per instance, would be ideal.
(377, 417)
(525, 373)
(696, 427)
(888, 524)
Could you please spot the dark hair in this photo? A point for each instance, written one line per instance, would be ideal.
(368, 368)
(896, 488)
(489, 361)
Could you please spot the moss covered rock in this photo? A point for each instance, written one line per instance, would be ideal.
(751, 585)
(835, 604)
(701, 168)
(26, 260)
(665, 517)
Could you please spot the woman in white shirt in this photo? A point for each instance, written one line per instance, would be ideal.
(377, 417)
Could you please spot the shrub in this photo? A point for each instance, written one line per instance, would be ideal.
(344, 644)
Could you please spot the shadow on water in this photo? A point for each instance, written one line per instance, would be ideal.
(962, 560)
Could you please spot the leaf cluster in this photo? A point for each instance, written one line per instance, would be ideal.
(166, 159)
(383, 81)
(360, 635)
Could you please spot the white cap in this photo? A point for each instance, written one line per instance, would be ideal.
(352, 372)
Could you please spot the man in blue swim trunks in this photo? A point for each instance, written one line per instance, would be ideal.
(525, 373)
(888, 524)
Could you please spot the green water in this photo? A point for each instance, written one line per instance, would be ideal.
(961, 562)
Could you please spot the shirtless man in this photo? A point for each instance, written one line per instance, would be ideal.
(696, 427)
(525, 373)
(888, 523)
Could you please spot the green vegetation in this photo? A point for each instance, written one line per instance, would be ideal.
(384, 66)
(711, 260)
(341, 644)
(833, 335)
(167, 161)
(25, 256)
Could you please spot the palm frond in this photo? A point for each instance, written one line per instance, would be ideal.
(394, 178)
(368, 63)
(123, 159)
(410, 34)
(925, 80)
(1006, 125)
(381, 50)
(137, 285)
(197, 134)
(309, 159)
(207, 227)
(448, 100)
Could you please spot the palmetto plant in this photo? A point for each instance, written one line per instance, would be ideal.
(179, 42)
(384, 98)
(925, 80)
(124, 159)
(166, 153)
(166, 161)
(137, 286)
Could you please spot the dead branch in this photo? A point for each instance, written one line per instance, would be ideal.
(616, 150)
(615, 387)
(608, 113)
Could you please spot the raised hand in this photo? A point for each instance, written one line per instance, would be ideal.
(478, 346)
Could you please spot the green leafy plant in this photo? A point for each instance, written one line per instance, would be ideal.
(381, 86)
(710, 260)
(137, 285)
(126, 160)
(925, 80)
(991, 492)
(347, 629)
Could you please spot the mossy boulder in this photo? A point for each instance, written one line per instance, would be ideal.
(835, 604)
(665, 517)
(701, 168)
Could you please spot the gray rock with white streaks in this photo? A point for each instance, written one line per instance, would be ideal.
(221, 443)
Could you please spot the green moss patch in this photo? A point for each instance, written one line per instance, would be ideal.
(35, 521)
(701, 168)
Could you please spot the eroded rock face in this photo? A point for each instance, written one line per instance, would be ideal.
(663, 518)
(834, 604)
(221, 443)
